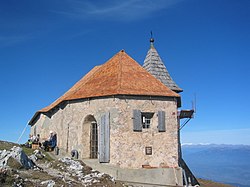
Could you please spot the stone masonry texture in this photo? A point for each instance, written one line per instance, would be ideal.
(70, 121)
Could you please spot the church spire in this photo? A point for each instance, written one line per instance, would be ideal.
(154, 65)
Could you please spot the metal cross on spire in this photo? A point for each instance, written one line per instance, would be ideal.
(152, 40)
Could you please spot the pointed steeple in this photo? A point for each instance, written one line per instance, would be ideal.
(154, 65)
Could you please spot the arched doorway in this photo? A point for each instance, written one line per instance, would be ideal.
(90, 137)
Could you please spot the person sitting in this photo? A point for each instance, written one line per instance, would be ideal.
(33, 138)
(28, 144)
(51, 142)
(36, 139)
(47, 142)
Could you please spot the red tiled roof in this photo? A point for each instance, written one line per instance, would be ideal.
(120, 75)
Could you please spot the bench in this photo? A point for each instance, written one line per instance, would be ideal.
(35, 146)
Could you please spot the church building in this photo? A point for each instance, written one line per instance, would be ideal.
(123, 116)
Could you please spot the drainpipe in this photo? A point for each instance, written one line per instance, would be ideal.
(67, 141)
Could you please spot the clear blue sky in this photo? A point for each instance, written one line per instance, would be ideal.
(46, 46)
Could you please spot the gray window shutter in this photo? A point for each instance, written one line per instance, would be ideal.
(104, 143)
(137, 123)
(161, 121)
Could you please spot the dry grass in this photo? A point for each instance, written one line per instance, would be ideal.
(208, 183)
(7, 145)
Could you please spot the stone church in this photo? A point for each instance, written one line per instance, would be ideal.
(123, 116)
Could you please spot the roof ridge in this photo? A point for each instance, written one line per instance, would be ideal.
(119, 74)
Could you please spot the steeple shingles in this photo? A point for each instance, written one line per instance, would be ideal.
(154, 65)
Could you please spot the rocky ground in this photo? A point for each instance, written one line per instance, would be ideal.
(39, 169)
(24, 167)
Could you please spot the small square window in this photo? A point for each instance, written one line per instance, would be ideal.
(148, 150)
(146, 119)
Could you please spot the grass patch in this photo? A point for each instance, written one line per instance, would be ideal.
(7, 145)
(47, 156)
(28, 151)
(209, 183)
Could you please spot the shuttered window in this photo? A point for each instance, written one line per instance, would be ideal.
(137, 122)
(161, 121)
(104, 143)
(141, 120)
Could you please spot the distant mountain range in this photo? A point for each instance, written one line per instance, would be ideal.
(222, 163)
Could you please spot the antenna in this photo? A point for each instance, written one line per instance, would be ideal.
(194, 103)
(188, 114)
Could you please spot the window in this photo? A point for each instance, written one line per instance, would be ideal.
(141, 120)
(146, 119)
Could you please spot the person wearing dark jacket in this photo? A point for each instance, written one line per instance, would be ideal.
(51, 142)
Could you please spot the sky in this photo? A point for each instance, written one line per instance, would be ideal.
(47, 46)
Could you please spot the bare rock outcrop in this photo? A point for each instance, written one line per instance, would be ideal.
(15, 158)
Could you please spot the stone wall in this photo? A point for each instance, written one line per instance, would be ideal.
(127, 148)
